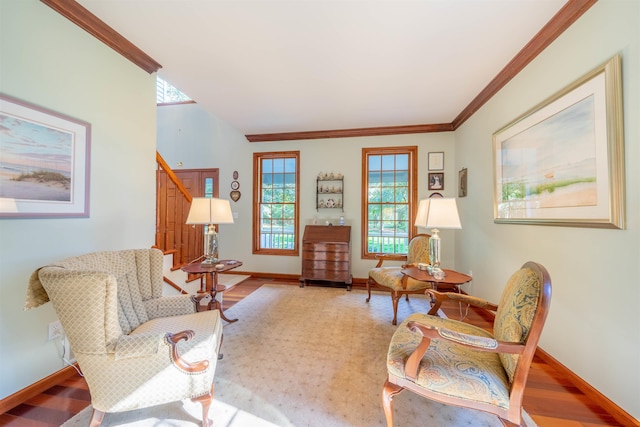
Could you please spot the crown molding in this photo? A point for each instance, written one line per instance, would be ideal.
(86, 20)
(562, 20)
(349, 133)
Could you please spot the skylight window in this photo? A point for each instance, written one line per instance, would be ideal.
(166, 93)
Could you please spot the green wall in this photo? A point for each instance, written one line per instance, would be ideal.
(48, 61)
(593, 324)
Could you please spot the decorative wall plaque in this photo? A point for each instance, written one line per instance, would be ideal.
(235, 186)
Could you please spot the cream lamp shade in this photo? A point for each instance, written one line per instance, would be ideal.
(210, 211)
(437, 213)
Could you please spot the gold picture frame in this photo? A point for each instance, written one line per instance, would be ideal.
(562, 162)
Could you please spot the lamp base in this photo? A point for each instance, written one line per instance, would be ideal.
(434, 248)
(210, 246)
(209, 261)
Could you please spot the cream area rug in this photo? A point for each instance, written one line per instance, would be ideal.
(306, 357)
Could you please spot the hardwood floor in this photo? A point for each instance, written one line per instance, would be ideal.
(552, 397)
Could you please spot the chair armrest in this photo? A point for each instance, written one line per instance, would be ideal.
(439, 297)
(138, 345)
(168, 306)
(178, 361)
(472, 341)
(148, 344)
(476, 342)
(382, 257)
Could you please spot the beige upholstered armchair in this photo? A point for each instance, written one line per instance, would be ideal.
(392, 279)
(135, 347)
(456, 363)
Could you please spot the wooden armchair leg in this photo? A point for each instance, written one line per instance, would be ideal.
(205, 401)
(435, 305)
(394, 299)
(96, 418)
(368, 290)
(388, 392)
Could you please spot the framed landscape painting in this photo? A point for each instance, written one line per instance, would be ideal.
(44, 162)
(562, 163)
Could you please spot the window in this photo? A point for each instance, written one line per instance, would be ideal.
(166, 93)
(389, 183)
(275, 216)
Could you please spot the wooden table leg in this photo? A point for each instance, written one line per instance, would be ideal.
(199, 296)
(212, 288)
(217, 305)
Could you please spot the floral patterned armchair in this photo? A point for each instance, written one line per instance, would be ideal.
(135, 347)
(392, 279)
(456, 363)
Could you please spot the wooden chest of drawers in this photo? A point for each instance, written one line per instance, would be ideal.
(326, 254)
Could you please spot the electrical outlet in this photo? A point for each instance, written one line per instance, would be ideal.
(55, 330)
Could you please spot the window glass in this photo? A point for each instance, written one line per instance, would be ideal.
(167, 93)
(276, 219)
(390, 188)
(208, 187)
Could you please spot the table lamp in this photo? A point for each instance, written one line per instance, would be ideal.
(210, 211)
(437, 213)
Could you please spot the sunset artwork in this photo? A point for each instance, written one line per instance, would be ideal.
(552, 164)
(36, 161)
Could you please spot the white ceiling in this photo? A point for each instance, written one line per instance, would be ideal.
(270, 66)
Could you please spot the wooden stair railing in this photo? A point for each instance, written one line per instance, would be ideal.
(188, 197)
(183, 190)
(160, 240)
(163, 164)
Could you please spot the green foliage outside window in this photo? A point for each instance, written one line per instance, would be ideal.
(278, 203)
(388, 203)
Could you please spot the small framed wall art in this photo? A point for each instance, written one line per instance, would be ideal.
(436, 161)
(436, 181)
(462, 182)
